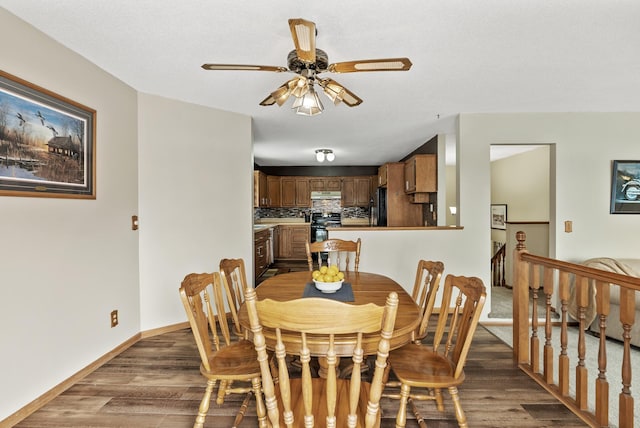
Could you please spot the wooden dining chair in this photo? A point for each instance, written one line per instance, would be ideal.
(315, 401)
(441, 365)
(233, 273)
(339, 252)
(425, 289)
(222, 360)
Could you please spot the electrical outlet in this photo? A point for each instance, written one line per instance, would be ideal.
(114, 318)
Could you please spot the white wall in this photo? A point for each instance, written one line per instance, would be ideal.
(196, 199)
(67, 263)
(585, 145)
(522, 182)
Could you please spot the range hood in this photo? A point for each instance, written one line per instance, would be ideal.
(326, 195)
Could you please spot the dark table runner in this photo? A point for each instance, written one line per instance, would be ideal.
(344, 294)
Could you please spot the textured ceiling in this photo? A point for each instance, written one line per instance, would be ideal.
(468, 57)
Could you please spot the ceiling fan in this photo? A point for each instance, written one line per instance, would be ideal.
(308, 63)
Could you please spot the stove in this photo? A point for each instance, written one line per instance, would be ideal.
(320, 222)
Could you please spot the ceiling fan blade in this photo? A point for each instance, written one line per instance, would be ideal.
(339, 93)
(387, 64)
(217, 67)
(304, 39)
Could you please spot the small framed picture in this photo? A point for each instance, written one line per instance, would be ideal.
(625, 187)
(499, 216)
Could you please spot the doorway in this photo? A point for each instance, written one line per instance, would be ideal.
(521, 181)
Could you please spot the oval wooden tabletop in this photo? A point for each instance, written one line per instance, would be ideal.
(367, 288)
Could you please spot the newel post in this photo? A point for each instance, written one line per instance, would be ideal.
(520, 301)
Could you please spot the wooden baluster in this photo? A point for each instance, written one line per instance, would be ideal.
(563, 358)
(520, 302)
(535, 341)
(602, 386)
(581, 370)
(548, 347)
(503, 252)
(627, 318)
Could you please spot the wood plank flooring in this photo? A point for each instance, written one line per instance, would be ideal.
(157, 383)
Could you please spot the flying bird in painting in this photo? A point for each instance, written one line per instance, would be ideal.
(21, 119)
(41, 117)
(55, 133)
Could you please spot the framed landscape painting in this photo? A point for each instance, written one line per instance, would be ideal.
(625, 187)
(47, 143)
(499, 216)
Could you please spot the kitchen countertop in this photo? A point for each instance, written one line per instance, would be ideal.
(268, 223)
(383, 228)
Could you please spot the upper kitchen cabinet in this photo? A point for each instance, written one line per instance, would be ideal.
(273, 190)
(259, 189)
(266, 190)
(295, 192)
(356, 191)
(382, 175)
(324, 184)
(420, 174)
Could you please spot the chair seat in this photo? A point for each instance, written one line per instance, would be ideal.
(239, 358)
(418, 365)
(320, 405)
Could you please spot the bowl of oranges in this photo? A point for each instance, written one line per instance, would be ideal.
(328, 279)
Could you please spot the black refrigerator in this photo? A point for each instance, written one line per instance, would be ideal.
(382, 206)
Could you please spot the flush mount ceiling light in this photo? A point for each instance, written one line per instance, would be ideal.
(322, 154)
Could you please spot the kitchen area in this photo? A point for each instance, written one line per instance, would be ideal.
(291, 209)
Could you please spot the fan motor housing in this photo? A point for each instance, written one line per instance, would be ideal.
(296, 65)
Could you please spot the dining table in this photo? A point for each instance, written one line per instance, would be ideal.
(365, 287)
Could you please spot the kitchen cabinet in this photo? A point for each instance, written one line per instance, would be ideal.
(295, 192)
(259, 189)
(273, 191)
(356, 191)
(261, 247)
(400, 210)
(291, 241)
(420, 174)
(382, 175)
(266, 190)
(325, 184)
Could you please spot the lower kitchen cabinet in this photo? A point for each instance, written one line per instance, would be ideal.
(261, 246)
(291, 241)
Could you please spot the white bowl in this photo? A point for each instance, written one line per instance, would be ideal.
(328, 287)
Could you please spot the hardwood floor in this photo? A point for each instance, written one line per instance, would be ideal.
(157, 383)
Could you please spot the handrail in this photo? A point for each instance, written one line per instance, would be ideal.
(554, 278)
(498, 267)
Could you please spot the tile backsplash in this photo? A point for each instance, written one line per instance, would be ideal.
(349, 212)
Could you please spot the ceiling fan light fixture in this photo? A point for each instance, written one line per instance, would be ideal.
(334, 92)
(281, 95)
(309, 104)
(301, 87)
(322, 154)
